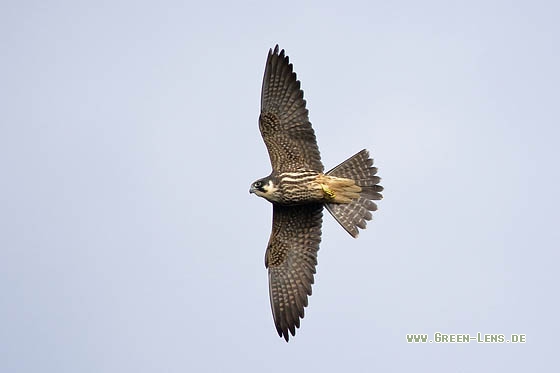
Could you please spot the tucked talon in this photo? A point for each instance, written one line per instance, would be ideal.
(328, 193)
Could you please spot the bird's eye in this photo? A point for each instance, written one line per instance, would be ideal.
(258, 184)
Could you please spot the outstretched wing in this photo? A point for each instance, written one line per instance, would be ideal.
(291, 257)
(284, 121)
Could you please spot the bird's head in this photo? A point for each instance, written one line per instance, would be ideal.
(263, 188)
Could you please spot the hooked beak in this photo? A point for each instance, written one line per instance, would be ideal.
(251, 190)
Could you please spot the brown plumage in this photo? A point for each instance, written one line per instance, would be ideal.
(298, 190)
(291, 257)
(284, 121)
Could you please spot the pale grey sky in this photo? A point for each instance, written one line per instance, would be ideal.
(129, 138)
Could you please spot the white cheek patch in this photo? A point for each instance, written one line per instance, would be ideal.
(270, 188)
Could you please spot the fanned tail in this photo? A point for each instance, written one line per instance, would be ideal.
(354, 215)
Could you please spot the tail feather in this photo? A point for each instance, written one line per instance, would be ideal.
(355, 214)
(373, 192)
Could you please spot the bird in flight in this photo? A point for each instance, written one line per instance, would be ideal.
(298, 189)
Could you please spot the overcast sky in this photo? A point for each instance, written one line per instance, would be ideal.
(129, 139)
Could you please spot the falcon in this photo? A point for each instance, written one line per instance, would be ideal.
(298, 189)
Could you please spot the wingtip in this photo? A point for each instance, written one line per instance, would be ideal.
(283, 333)
(277, 51)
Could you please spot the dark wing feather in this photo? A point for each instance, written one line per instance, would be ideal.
(291, 257)
(284, 121)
